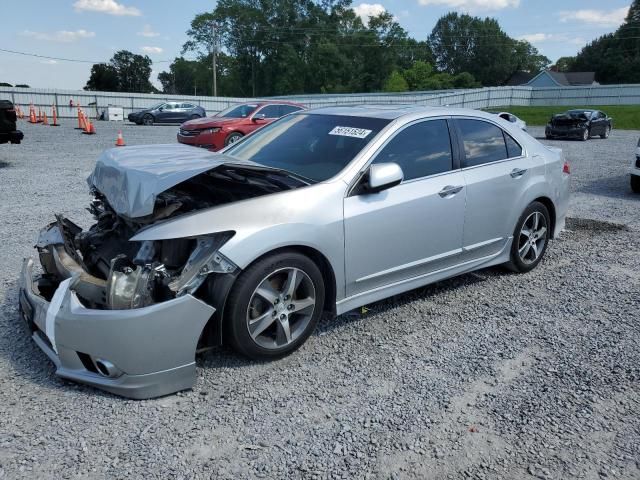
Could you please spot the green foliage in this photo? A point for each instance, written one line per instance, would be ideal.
(615, 57)
(462, 43)
(279, 47)
(22, 85)
(625, 117)
(4, 84)
(565, 64)
(125, 72)
(396, 83)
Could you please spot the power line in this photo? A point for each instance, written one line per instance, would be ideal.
(75, 60)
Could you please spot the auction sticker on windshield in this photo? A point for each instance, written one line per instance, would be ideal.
(350, 132)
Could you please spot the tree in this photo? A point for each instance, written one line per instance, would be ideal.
(22, 85)
(564, 64)
(615, 57)
(104, 77)
(462, 43)
(396, 83)
(125, 72)
(4, 84)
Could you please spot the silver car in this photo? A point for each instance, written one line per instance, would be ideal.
(323, 210)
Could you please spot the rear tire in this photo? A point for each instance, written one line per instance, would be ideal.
(274, 306)
(530, 238)
(194, 117)
(635, 183)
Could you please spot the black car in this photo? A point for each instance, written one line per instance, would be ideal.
(579, 123)
(167, 112)
(8, 132)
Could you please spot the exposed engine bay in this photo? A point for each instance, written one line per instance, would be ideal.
(111, 272)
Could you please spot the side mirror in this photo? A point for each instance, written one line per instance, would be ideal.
(160, 109)
(383, 176)
(259, 117)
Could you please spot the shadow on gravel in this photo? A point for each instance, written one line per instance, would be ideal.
(613, 187)
(596, 226)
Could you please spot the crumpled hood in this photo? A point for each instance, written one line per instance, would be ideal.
(131, 178)
(209, 122)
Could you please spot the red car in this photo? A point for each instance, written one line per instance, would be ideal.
(232, 124)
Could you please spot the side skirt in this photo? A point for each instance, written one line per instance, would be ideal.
(402, 286)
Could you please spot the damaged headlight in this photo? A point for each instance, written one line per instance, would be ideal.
(145, 280)
(204, 259)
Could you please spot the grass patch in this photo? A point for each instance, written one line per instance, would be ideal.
(625, 117)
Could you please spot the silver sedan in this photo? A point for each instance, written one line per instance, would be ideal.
(323, 210)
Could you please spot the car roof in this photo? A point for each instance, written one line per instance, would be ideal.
(261, 103)
(392, 112)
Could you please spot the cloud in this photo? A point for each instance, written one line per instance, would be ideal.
(537, 38)
(152, 49)
(49, 62)
(62, 36)
(148, 32)
(110, 7)
(474, 4)
(604, 18)
(368, 10)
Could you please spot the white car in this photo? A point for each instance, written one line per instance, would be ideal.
(635, 171)
(510, 117)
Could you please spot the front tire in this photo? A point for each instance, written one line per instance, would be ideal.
(274, 306)
(232, 138)
(606, 133)
(530, 238)
(635, 183)
(147, 120)
(585, 135)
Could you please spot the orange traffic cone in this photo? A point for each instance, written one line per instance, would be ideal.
(54, 114)
(80, 123)
(39, 116)
(45, 120)
(89, 128)
(120, 140)
(32, 115)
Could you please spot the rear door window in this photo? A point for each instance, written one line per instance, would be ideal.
(483, 142)
(513, 148)
(286, 109)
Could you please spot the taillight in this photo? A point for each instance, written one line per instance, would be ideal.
(566, 168)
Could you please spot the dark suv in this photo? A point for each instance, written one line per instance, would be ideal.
(8, 132)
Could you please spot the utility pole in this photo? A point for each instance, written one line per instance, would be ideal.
(214, 53)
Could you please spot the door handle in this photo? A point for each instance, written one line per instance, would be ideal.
(449, 191)
(518, 172)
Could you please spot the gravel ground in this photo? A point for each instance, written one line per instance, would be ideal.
(488, 375)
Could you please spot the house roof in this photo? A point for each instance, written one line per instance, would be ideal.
(519, 78)
(566, 79)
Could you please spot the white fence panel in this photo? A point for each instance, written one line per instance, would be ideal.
(94, 102)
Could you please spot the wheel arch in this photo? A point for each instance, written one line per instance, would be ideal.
(547, 202)
(328, 275)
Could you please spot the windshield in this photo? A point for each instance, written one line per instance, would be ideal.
(580, 113)
(238, 111)
(313, 146)
(156, 106)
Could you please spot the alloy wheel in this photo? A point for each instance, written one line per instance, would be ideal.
(532, 238)
(281, 308)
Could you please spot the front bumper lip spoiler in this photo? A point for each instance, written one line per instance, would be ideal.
(154, 346)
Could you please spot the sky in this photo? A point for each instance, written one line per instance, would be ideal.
(93, 30)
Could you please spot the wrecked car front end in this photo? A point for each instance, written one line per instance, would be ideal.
(128, 316)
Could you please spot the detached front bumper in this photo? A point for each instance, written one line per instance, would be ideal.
(137, 353)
